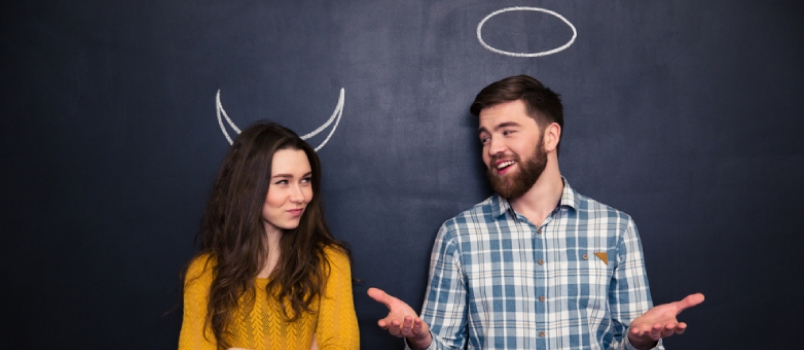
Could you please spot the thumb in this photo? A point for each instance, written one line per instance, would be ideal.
(689, 301)
(381, 297)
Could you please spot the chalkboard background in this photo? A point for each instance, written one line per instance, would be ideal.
(685, 114)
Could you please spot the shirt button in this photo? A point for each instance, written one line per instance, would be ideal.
(541, 298)
(585, 256)
(541, 262)
(541, 334)
(539, 231)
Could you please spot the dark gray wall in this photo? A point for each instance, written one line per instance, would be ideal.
(685, 114)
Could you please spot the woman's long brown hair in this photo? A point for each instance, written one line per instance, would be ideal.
(233, 234)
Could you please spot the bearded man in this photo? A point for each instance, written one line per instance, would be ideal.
(537, 265)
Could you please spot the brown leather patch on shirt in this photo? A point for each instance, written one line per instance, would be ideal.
(603, 256)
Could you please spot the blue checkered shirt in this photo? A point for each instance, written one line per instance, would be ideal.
(497, 281)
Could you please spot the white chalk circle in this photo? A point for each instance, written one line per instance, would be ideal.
(518, 54)
(336, 117)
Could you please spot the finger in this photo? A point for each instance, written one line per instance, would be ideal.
(394, 328)
(383, 324)
(395, 332)
(689, 301)
(669, 329)
(656, 331)
(417, 327)
(407, 327)
(640, 331)
(380, 296)
(681, 328)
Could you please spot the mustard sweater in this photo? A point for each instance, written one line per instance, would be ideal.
(262, 326)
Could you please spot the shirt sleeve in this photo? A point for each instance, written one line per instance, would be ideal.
(445, 308)
(629, 294)
(337, 321)
(194, 334)
(628, 346)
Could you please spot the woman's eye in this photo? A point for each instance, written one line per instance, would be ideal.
(307, 179)
(281, 182)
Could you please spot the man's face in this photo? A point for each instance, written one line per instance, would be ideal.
(513, 148)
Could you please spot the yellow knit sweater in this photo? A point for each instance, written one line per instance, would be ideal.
(262, 326)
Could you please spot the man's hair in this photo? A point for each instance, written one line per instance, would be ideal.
(543, 104)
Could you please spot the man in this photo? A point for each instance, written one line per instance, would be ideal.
(537, 265)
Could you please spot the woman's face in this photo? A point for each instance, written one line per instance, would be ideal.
(289, 191)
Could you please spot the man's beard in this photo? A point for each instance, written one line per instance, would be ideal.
(514, 185)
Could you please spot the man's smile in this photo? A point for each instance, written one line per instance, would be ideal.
(503, 165)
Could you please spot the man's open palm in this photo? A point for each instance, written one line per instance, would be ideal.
(660, 322)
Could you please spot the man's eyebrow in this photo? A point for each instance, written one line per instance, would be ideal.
(506, 125)
(482, 129)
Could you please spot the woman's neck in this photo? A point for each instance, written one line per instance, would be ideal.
(273, 236)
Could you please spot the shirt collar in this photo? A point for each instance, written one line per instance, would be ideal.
(569, 198)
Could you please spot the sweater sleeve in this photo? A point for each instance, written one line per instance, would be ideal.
(337, 321)
(194, 335)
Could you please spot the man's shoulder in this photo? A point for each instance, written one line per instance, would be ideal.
(480, 214)
(592, 208)
(481, 210)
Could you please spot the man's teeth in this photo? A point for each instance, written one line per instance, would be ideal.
(505, 164)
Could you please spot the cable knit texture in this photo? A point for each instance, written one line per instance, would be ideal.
(262, 327)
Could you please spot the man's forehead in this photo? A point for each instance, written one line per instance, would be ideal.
(493, 121)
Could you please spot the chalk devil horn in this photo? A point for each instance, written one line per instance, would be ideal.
(335, 117)
(220, 110)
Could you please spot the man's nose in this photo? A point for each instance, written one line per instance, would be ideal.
(496, 147)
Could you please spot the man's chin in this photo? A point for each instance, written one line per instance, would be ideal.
(504, 188)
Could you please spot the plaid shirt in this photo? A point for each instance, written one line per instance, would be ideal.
(499, 282)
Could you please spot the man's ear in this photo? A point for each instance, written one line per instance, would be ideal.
(552, 134)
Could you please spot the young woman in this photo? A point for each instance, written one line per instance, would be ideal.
(269, 275)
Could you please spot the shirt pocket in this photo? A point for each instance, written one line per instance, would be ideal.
(599, 266)
(588, 281)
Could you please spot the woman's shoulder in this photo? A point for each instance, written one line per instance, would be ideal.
(337, 256)
(200, 266)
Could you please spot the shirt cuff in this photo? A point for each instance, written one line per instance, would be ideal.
(628, 346)
(432, 343)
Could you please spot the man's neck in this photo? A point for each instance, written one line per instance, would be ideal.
(542, 198)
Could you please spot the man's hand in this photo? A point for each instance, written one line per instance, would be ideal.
(402, 321)
(660, 322)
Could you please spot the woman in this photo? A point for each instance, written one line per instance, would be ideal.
(269, 274)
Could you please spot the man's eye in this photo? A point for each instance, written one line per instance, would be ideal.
(507, 132)
(484, 140)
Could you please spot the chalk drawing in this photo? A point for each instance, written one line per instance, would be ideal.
(336, 117)
(219, 108)
(519, 54)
